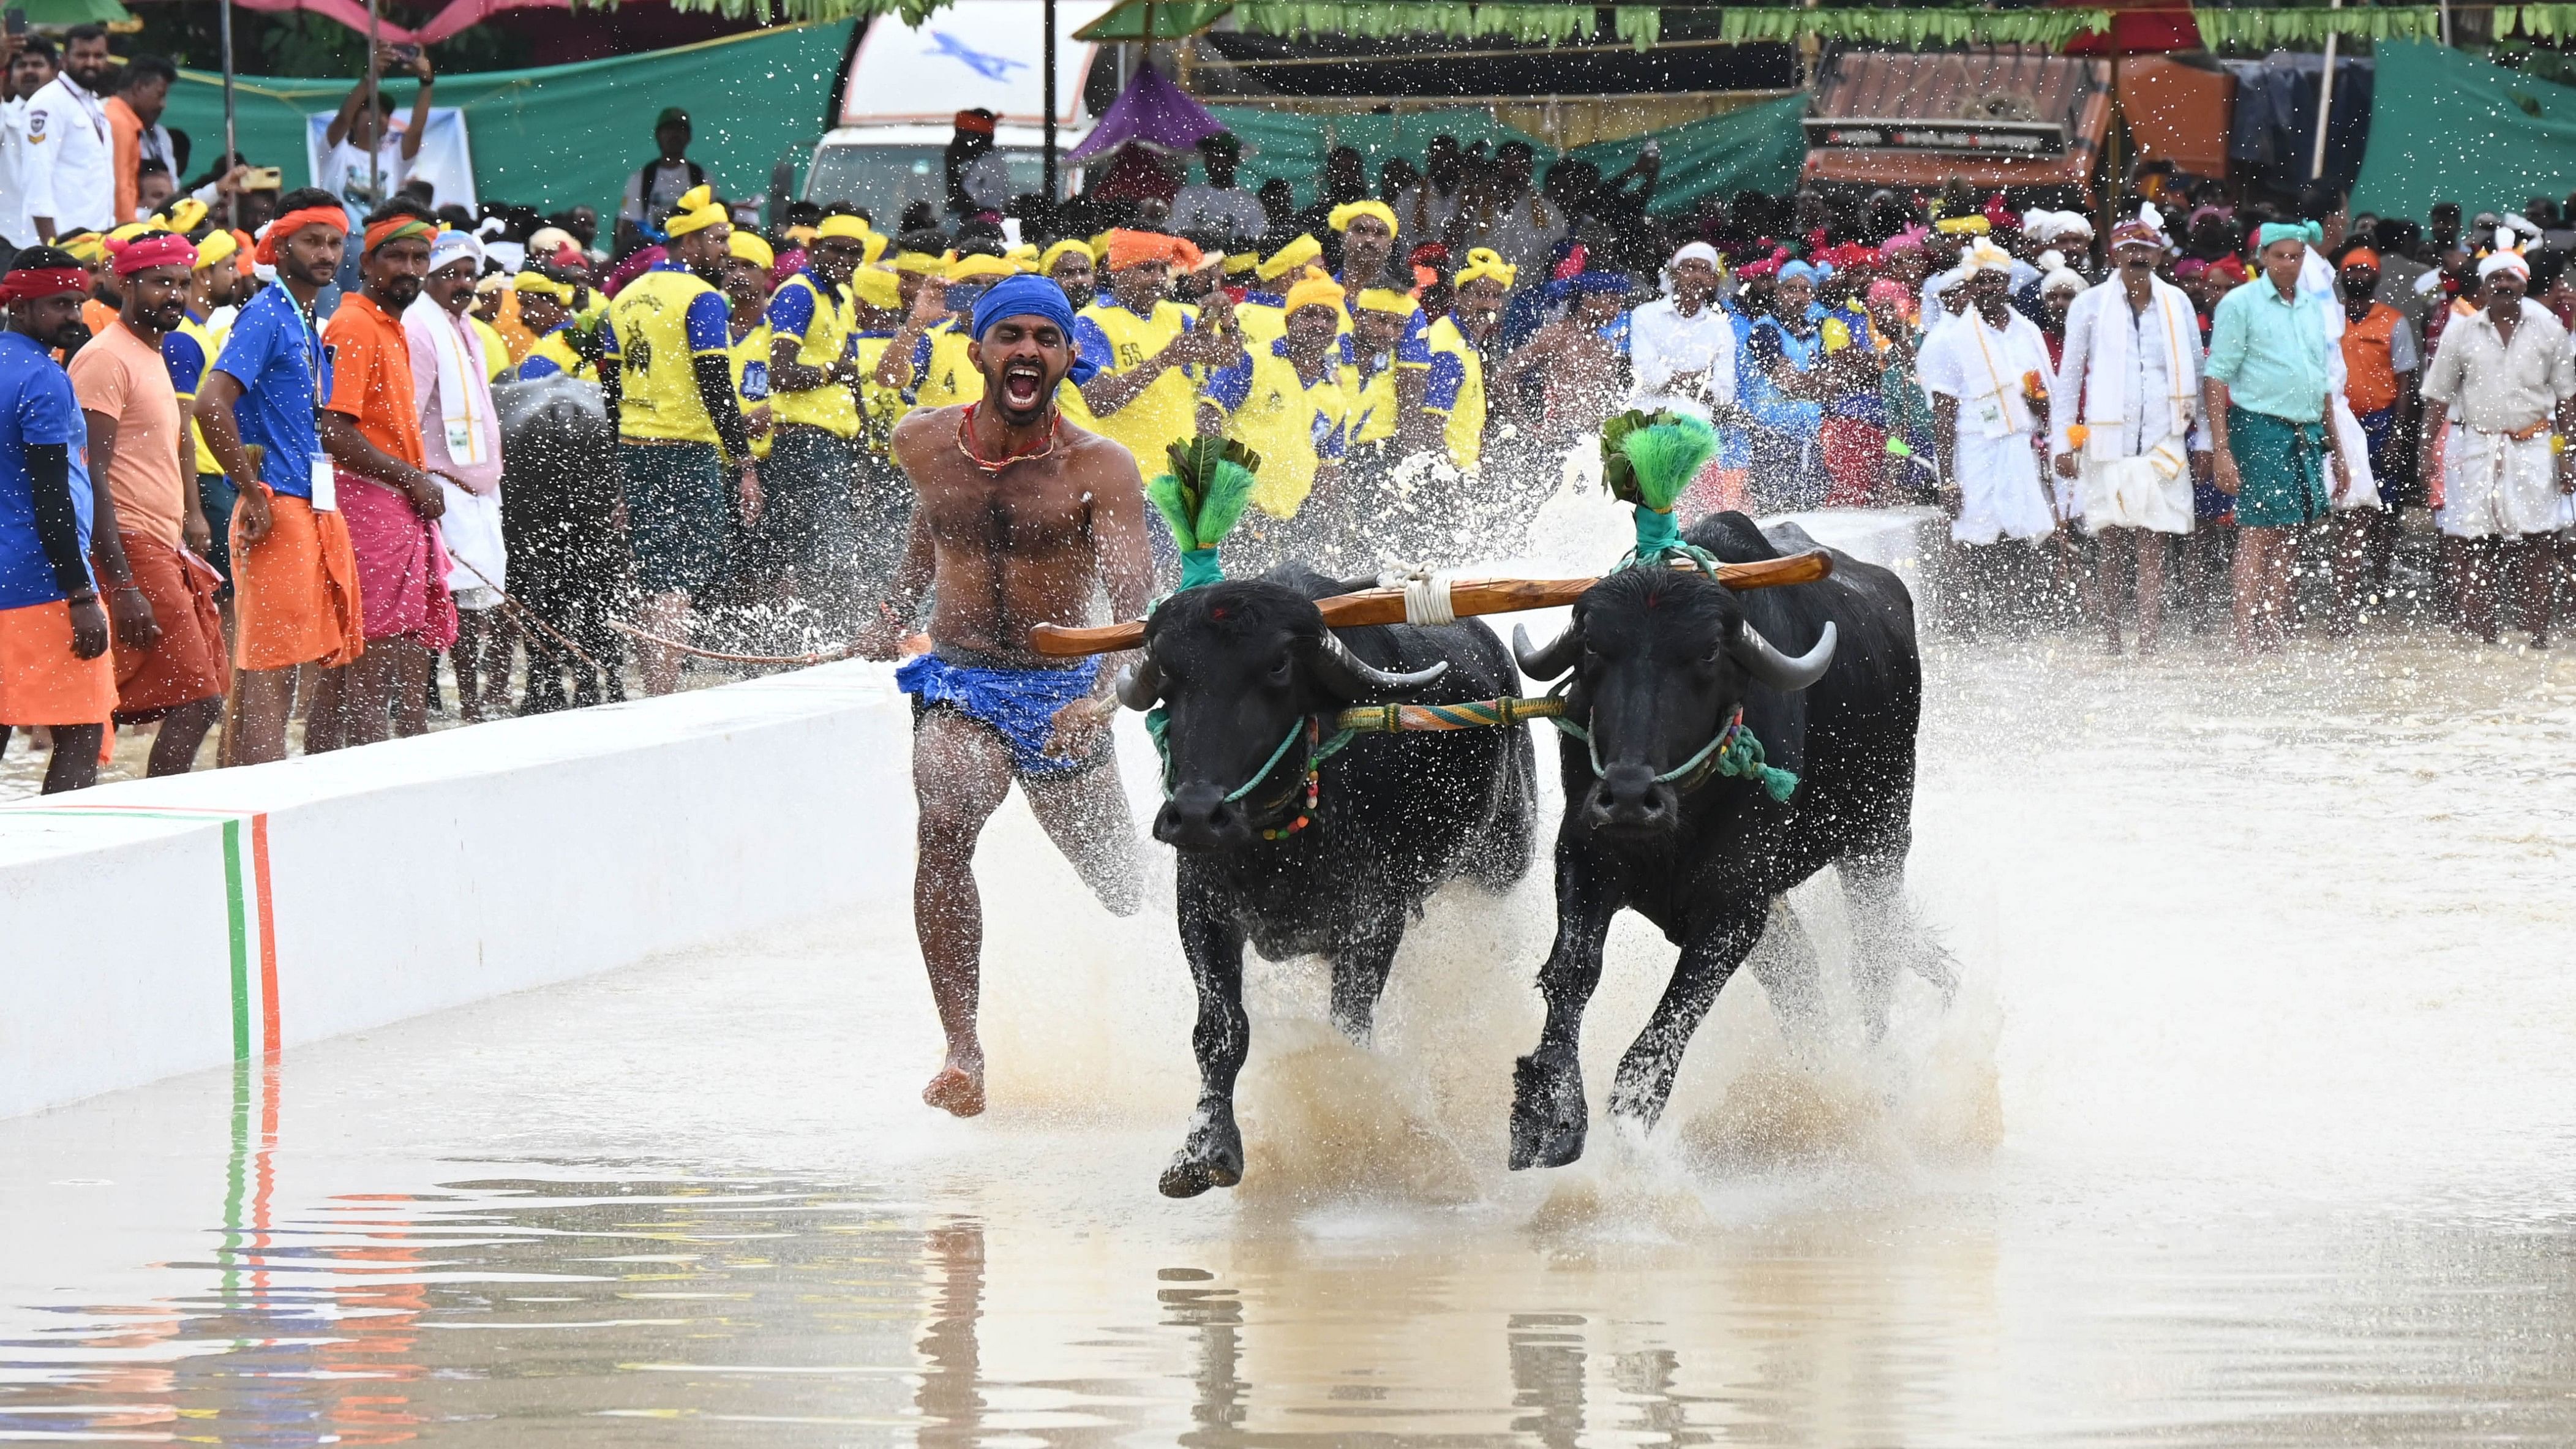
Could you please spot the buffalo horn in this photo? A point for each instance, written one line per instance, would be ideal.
(1764, 661)
(1545, 663)
(1140, 684)
(1348, 675)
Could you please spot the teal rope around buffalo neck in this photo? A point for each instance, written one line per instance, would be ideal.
(1734, 752)
(1158, 725)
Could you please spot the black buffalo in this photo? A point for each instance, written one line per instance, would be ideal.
(1251, 680)
(1830, 682)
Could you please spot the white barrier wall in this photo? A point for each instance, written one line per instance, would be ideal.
(163, 926)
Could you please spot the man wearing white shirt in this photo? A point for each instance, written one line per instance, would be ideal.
(366, 162)
(1979, 369)
(30, 69)
(71, 156)
(1219, 208)
(2132, 357)
(1681, 348)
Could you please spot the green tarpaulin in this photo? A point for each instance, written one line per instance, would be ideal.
(569, 135)
(1759, 147)
(2445, 126)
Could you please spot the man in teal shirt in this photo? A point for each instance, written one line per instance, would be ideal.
(2266, 387)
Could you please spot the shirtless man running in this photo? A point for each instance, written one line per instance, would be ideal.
(1020, 517)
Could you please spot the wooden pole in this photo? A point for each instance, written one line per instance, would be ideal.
(1053, 199)
(232, 143)
(376, 112)
(1468, 597)
(2325, 102)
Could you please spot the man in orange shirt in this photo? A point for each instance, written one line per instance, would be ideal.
(135, 132)
(2381, 365)
(170, 656)
(371, 430)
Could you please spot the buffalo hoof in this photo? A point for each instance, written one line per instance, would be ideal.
(1211, 1156)
(1548, 1115)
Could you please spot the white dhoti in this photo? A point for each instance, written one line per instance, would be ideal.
(2494, 486)
(2363, 493)
(472, 528)
(2151, 491)
(2000, 493)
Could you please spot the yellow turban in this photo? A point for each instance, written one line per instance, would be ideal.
(1290, 259)
(749, 247)
(1964, 225)
(543, 286)
(90, 247)
(1240, 263)
(800, 236)
(130, 231)
(1387, 299)
(1099, 246)
(217, 246)
(877, 287)
(842, 224)
(976, 268)
(1058, 252)
(1483, 262)
(1023, 257)
(916, 262)
(1348, 211)
(185, 215)
(1313, 292)
(697, 211)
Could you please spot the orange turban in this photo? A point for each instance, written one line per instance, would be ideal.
(1135, 248)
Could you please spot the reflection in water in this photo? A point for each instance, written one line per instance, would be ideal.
(951, 1398)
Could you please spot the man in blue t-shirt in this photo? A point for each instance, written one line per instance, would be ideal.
(295, 582)
(54, 665)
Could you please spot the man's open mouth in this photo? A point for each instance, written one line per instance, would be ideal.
(1022, 386)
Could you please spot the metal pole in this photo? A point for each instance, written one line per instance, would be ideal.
(1052, 195)
(376, 113)
(232, 146)
(2325, 102)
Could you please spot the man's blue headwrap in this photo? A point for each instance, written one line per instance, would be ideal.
(1030, 295)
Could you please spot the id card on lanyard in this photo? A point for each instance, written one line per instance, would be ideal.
(326, 490)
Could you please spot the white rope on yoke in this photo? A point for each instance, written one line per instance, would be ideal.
(1426, 595)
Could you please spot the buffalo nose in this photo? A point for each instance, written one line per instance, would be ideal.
(1198, 817)
(1629, 797)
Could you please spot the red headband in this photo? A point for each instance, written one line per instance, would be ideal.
(293, 222)
(169, 249)
(27, 286)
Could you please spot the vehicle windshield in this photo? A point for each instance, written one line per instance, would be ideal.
(883, 180)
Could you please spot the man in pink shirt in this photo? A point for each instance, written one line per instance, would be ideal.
(170, 663)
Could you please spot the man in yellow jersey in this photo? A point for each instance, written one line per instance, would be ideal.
(883, 495)
(548, 304)
(1261, 311)
(745, 284)
(1150, 350)
(928, 359)
(1288, 401)
(669, 379)
(1378, 319)
(188, 350)
(1455, 390)
(1368, 245)
(814, 385)
(1070, 263)
(1021, 519)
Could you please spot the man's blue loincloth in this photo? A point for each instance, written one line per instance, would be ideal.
(1017, 704)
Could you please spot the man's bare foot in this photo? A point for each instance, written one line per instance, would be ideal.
(956, 1091)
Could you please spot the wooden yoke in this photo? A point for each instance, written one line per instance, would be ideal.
(1466, 597)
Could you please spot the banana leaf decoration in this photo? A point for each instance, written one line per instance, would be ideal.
(1202, 498)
